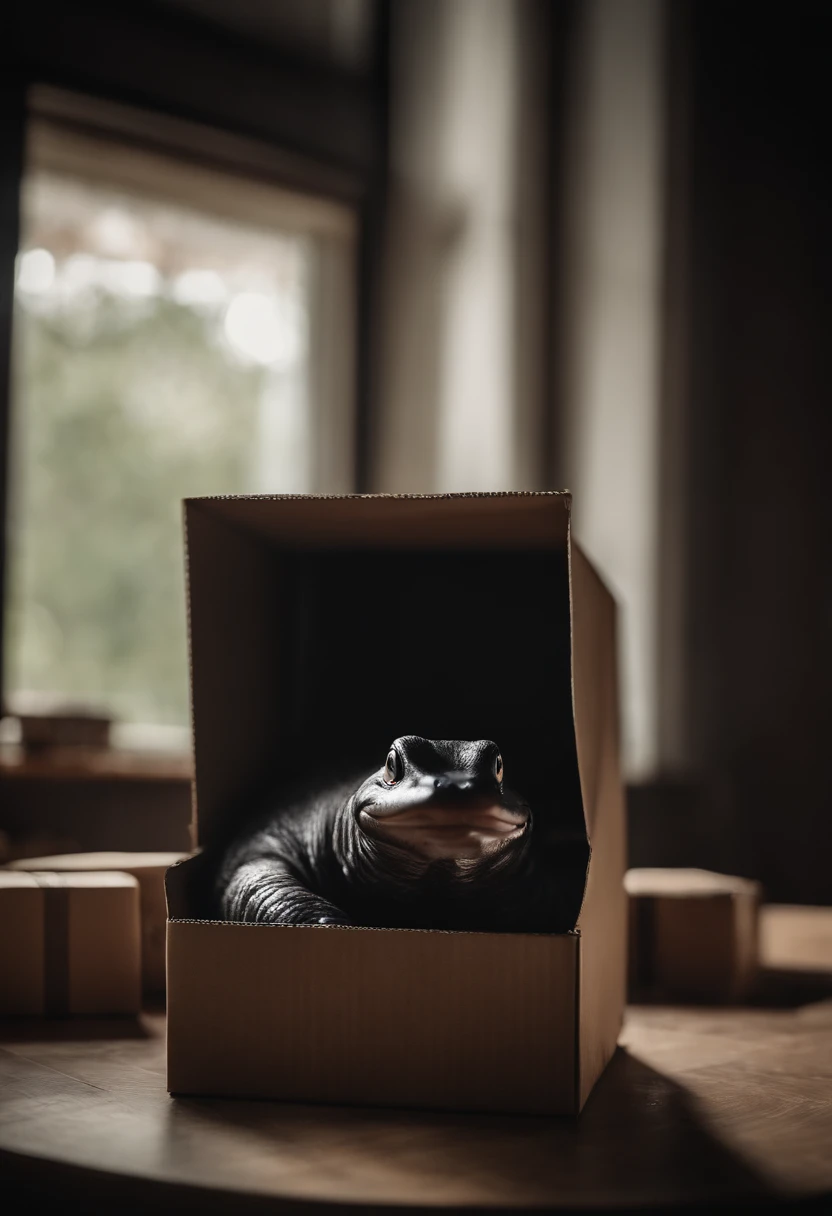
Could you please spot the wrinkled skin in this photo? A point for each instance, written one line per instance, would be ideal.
(433, 840)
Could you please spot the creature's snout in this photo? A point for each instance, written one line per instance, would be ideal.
(462, 783)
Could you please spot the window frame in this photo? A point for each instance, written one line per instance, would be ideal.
(147, 77)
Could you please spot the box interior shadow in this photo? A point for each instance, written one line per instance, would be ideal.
(336, 652)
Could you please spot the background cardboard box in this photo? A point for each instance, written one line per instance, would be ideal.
(70, 944)
(296, 606)
(149, 871)
(693, 935)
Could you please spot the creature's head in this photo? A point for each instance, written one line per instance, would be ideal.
(441, 800)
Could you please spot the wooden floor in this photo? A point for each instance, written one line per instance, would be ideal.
(699, 1105)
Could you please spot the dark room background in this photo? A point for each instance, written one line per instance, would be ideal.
(506, 244)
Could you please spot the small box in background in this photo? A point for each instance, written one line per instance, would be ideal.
(149, 871)
(693, 935)
(76, 729)
(70, 944)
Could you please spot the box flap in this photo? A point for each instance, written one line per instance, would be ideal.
(603, 918)
(536, 519)
(233, 616)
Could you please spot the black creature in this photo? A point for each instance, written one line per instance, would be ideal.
(433, 840)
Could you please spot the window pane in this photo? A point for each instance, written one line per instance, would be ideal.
(160, 352)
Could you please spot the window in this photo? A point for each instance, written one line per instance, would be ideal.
(178, 331)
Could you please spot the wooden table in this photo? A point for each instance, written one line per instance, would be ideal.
(698, 1105)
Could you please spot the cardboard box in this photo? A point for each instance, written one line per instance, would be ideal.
(71, 944)
(693, 935)
(43, 731)
(298, 609)
(149, 871)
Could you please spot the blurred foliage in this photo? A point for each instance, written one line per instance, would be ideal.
(123, 408)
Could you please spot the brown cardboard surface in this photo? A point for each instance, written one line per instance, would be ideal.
(233, 612)
(149, 871)
(603, 918)
(21, 944)
(693, 934)
(514, 1023)
(104, 944)
(459, 1021)
(76, 947)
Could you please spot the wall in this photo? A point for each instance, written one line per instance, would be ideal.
(695, 421)
(611, 269)
(463, 335)
(307, 84)
(759, 642)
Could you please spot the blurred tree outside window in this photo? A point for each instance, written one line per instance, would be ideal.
(161, 352)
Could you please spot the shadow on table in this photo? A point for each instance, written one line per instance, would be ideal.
(639, 1143)
(70, 1030)
(790, 988)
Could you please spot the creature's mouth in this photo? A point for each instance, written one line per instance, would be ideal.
(449, 831)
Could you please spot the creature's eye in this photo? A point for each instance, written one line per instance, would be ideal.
(394, 768)
(498, 768)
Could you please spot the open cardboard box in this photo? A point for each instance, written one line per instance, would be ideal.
(334, 625)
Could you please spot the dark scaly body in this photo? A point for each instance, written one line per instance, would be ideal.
(446, 845)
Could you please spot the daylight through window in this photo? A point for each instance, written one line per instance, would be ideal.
(161, 351)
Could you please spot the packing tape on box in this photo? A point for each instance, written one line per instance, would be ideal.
(644, 945)
(55, 945)
(55, 949)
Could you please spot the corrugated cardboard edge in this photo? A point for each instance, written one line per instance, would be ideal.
(603, 919)
(441, 496)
